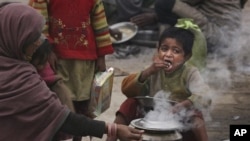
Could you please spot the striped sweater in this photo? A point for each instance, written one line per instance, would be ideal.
(185, 83)
(78, 28)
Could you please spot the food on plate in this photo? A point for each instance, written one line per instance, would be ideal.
(128, 30)
(126, 33)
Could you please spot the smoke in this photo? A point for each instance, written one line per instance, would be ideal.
(227, 69)
(230, 57)
(162, 115)
(162, 108)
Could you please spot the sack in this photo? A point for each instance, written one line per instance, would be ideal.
(101, 91)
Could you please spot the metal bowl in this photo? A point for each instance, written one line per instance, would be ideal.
(128, 30)
(149, 102)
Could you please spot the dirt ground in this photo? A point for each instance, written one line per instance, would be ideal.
(230, 105)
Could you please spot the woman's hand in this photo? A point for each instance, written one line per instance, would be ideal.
(126, 133)
(144, 19)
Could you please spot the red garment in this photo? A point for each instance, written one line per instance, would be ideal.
(71, 28)
(129, 110)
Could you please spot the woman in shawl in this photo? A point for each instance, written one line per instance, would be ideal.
(25, 99)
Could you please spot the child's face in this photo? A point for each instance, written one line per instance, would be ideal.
(39, 65)
(171, 52)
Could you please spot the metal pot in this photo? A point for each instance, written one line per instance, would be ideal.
(149, 102)
(154, 130)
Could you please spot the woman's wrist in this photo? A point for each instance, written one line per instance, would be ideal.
(111, 130)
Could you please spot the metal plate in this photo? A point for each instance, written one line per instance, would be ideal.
(127, 29)
(161, 126)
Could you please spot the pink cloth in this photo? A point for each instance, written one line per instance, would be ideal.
(47, 74)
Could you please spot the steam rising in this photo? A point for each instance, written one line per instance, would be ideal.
(230, 58)
(162, 109)
(163, 117)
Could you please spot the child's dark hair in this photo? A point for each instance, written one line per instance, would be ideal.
(183, 36)
(42, 53)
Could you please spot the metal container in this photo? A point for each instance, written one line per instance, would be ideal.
(128, 30)
(155, 126)
(149, 102)
(156, 130)
(163, 133)
(170, 136)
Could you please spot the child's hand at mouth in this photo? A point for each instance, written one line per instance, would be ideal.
(168, 65)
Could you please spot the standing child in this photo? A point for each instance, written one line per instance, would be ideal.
(169, 72)
(79, 32)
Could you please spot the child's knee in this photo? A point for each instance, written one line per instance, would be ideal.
(121, 119)
(198, 122)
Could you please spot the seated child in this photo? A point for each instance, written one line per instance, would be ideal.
(169, 72)
(55, 83)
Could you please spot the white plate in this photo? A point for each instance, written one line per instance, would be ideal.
(154, 125)
(127, 29)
